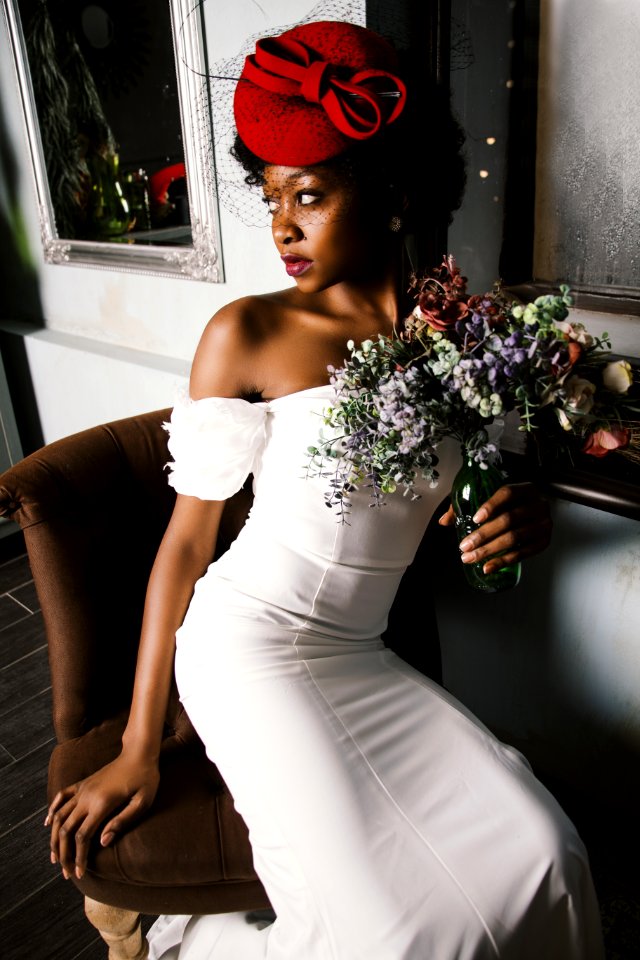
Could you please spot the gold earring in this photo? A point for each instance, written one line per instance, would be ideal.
(395, 224)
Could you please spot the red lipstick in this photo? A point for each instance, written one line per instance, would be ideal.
(295, 266)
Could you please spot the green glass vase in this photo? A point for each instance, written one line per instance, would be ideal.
(472, 486)
(109, 214)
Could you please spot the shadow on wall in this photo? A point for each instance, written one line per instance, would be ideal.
(550, 666)
(19, 295)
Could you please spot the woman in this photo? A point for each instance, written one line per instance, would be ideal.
(386, 822)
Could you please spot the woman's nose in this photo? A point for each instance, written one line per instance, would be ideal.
(285, 229)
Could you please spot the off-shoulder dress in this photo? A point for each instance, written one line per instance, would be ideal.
(386, 821)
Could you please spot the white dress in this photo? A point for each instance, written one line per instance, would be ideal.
(386, 821)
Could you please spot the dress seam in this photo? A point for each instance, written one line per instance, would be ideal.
(316, 594)
(404, 816)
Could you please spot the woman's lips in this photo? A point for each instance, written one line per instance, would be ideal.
(295, 266)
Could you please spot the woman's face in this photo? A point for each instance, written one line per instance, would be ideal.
(322, 226)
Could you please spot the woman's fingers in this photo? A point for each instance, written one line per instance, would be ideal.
(510, 536)
(515, 523)
(510, 547)
(61, 797)
(121, 791)
(448, 518)
(66, 823)
(73, 825)
(125, 819)
(57, 821)
(509, 497)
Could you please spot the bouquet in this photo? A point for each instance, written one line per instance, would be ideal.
(460, 363)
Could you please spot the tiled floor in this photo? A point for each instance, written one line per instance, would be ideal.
(41, 915)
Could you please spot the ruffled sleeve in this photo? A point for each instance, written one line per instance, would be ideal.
(214, 444)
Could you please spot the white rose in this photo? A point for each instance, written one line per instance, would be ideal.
(617, 376)
(576, 331)
(580, 393)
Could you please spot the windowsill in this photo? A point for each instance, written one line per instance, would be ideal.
(610, 483)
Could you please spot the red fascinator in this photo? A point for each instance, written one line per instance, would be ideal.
(308, 94)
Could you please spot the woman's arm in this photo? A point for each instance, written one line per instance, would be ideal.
(127, 786)
(515, 523)
(121, 791)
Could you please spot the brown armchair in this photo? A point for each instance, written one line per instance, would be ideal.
(93, 508)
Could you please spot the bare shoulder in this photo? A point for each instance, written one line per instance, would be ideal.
(228, 360)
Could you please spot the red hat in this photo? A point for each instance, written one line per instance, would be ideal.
(307, 95)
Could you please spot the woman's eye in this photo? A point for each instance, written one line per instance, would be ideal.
(272, 205)
(304, 199)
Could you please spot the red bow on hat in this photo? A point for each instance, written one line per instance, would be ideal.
(285, 66)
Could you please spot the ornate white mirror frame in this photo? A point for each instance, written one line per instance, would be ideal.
(200, 260)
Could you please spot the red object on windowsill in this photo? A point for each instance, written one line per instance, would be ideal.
(161, 180)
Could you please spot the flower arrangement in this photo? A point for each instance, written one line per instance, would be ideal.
(459, 363)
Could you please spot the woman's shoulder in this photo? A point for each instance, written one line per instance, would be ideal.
(252, 315)
(228, 358)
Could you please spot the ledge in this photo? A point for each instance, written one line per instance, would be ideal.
(612, 496)
(112, 351)
(611, 484)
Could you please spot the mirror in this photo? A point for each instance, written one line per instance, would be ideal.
(117, 113)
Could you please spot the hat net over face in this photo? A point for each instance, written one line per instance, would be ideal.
(299, 131)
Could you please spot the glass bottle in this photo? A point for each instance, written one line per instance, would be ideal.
(109, 214)
(136, 188)
(472, 486)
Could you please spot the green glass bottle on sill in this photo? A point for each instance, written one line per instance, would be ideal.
(472, 486)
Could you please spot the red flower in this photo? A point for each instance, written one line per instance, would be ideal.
(441, 313)
(575, 352)
(601, 442)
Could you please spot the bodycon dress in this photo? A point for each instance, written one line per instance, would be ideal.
(386, 821)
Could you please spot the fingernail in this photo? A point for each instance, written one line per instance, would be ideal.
(65, 874)
(78, 873)
(47, 820)
(465, 545)
(53, 858)
(480, 516)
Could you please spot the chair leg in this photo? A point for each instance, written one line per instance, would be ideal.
(120, 929)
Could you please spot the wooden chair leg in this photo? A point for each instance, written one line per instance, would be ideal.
(120, 929)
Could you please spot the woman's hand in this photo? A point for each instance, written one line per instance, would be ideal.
(124, 786)
(515, 522)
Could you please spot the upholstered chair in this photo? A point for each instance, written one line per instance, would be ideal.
(93, 508)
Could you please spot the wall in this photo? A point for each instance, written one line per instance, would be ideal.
(553, 665)
(588, 178)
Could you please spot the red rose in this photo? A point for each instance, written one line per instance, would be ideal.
(601, 442)
(440, 313)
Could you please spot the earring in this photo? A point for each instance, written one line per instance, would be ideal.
(395, 224)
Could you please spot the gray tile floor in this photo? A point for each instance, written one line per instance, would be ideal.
(41, 915)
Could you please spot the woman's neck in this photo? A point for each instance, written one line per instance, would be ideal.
(379, 298)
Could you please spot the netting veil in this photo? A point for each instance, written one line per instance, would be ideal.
(215, 108)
